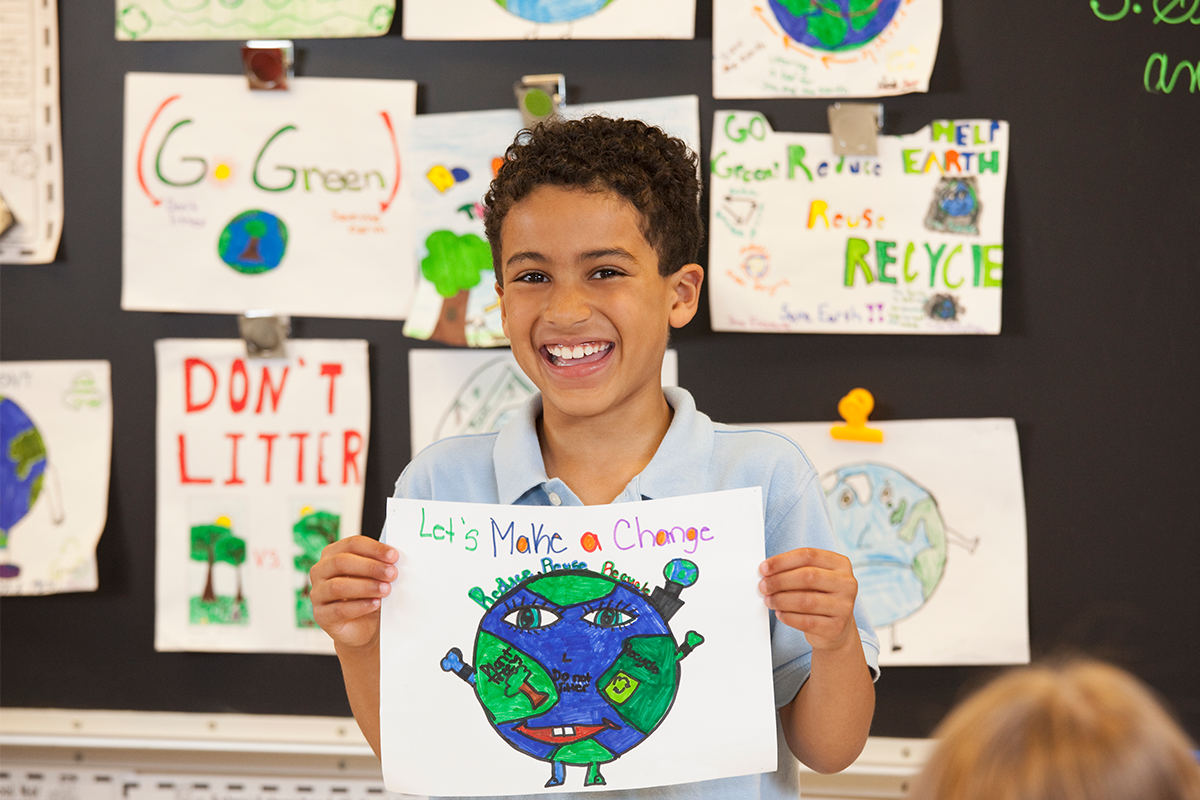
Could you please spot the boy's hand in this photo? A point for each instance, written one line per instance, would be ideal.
(812, 591)
(347, 585)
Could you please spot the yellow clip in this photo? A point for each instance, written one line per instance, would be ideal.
(855, 408)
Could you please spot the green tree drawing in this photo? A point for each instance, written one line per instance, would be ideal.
(454, 265)
(232, 550)
(313, 533)
(213, 543)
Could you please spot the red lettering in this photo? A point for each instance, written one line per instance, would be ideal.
(350, 456)
(183, 473)
(321, 459)
(299, 437)
(233, 475)
(267, 386)
(187, 384)
(332, 370)
(239, 368)
(269, 438)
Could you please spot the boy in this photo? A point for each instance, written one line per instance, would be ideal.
(594, 226)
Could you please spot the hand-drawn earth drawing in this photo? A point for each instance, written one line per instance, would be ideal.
(834, 25)
(22, 472)
(574, 667)
(487, 400)
(955, 207)
(553, 10)
(893, 532)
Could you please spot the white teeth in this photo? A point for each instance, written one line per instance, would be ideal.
(567, 731)
(577, 351)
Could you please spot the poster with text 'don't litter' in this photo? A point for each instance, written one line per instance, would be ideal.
(575, 648)
(294, 201)
(260, 466)
(910, 240)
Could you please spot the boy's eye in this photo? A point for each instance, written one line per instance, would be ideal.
(530, 277)
(609, 617)
(530, 617)
(606, 272)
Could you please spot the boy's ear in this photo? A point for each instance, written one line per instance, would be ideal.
(503, 312)
(685, 283)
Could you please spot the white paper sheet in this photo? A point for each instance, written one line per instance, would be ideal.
(549, 19)
(454, 159)
(253, 19)
(55, 456)
(31, 179)
(553, 631)
(260, 465)
(835, 48)
(804, 241)
(934, 522)
(453, 392)
(295, 201)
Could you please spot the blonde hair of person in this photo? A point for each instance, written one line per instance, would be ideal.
(1076, 730)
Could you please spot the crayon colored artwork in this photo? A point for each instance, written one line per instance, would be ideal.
(806, 241)
(260, 466)
(252, 19)
(933, 521)
(549, 19)
(297, 202)
(624, 668)
(55, 453)
(831, 48)
(575, 647)
(452, 393)
(454, 158)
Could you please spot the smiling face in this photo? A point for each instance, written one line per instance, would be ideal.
(575, 667)
(583, 303)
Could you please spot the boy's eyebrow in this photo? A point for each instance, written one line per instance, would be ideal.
(591, 255)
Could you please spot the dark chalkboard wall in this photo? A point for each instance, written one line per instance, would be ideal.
(1099, 359)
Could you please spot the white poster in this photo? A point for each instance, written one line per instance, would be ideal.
(55, 456)
(455, 156)
(549, 19)
(452, 392)
(835, 48)
(252, 19)
(933, 520)
(31, 180)
(805, 241)
(292, 201)
(616, 646)
(260, 466)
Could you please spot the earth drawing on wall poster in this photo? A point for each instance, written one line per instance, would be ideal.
(834, 25)
(553, 10)
(576, 668)
(893, 532)
(22, 473)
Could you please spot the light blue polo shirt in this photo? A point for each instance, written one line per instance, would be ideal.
(697, 455)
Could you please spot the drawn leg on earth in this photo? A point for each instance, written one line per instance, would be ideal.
(558, 773)
(594, 778)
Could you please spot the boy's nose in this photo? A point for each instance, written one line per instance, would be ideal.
(568, 305)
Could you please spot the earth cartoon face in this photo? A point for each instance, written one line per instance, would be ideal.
(574, 667)
(894, 535)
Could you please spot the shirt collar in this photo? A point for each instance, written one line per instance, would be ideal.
(678, 467)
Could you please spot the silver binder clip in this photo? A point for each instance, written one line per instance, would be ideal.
(855, 128)
(540, 97)
(265, 333)
(268, 63)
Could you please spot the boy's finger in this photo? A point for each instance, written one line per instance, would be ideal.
(803, 557)
(353, 565)
(809, 579)
(364, 546)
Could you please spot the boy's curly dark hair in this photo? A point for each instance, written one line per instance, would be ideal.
(655, 172)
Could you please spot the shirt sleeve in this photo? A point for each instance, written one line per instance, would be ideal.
(796, 517)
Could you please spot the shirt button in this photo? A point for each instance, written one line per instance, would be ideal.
(555, 499)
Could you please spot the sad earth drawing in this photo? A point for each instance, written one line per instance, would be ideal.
(576, 668)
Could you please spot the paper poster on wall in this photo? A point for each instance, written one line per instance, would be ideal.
(260, 466)
(933, 520)
(805, 241)
(549, 19)
(454, 157)
(617, 646)
(454, 392)
(291, 201)
(31, 181)
(55, 456)
(253, 19)
(836, 48)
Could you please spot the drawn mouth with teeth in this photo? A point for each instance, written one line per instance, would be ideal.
(565, 734)
(560, 355)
